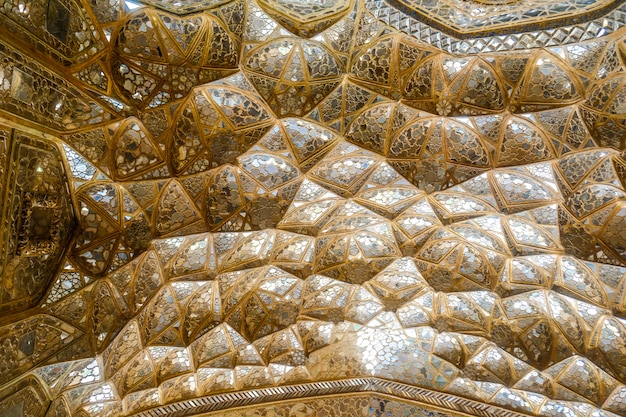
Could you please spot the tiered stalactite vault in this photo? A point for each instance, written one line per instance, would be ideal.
(307, 209)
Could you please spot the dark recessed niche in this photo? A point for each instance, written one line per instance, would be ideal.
(22, 86)
(16, 411)
(41, 226)
(26, 344)
(58, 20)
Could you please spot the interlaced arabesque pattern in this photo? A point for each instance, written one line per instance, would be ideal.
(280, 192)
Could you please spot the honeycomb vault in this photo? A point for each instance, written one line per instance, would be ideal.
(312, 208)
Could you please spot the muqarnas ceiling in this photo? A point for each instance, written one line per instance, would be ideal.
(312, 208)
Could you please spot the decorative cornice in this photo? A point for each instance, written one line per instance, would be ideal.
(226, 401)
(496, 41)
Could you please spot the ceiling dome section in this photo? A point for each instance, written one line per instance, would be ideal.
(306, 18)
(605, 103)
(292, 75)
(305, 208)
(159, 57)
(112, 228)
(431, 152)
(448, 85)
(214, 125)
(546, 83)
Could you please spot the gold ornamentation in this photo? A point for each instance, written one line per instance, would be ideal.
(312, 208)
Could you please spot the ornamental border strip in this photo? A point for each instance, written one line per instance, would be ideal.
(262, 396)
(554, 21)
(497, 42)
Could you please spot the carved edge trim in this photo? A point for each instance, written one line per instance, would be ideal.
(498, 42)
(355, 385)
(554, 21)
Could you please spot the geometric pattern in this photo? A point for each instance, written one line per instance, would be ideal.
(544, 34)
(489, 16)
(252, 207)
